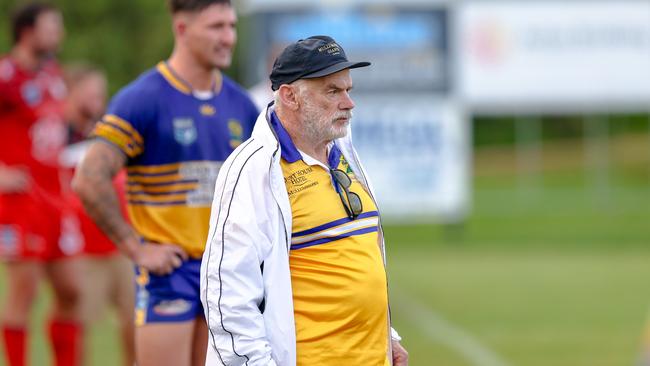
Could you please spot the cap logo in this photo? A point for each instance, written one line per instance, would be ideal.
(330, 48)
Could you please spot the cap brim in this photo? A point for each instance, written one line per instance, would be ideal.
(336, 68)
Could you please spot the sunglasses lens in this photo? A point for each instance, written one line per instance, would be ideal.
(351, 201)
(342, 178)
(355, 204)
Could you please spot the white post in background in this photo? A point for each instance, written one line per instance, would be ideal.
(597, 156)
(528, 136)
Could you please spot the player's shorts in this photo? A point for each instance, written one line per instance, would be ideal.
(35, 230)
(168, 298)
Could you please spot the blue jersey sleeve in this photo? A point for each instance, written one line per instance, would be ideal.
(127, 117)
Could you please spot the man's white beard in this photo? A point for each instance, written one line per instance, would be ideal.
(322, 128)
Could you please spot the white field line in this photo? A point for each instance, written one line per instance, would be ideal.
(437, 329)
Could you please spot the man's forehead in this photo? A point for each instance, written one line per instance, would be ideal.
(341, 79)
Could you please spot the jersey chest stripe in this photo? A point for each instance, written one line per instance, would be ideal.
(161, 184)
(145, 193)
(338, 230)
(153, 168)
(171, 179)
(145, 203)
(333, 224)
(335, 238)
(156, 198)
(133, 188)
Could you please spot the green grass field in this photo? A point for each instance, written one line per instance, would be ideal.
(555, 274)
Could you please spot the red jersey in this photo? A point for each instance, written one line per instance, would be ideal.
(32, 128)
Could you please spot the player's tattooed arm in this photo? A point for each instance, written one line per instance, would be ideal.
(93, 182)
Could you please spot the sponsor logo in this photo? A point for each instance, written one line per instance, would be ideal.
(299, 181)
(172, 307)
(207, 110)
(184, 130)
(331, 49)
(299, 177)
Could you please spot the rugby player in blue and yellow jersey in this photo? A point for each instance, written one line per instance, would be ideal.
(172, 128)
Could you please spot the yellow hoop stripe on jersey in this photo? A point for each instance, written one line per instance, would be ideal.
(124, 125)
(119, 138)
(135, 188)
(361, 225)
(159, 168)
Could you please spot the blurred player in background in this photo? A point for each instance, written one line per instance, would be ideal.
(172, 128)
(38, 235)
(108, 275)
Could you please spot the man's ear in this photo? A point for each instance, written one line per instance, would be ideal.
(289, 96)
(179, 24)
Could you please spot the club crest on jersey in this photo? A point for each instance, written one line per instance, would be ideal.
(236, 132)
(346, 167)
(184, 130)
(31, 93)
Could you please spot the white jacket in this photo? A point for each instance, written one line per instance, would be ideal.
(251, 319)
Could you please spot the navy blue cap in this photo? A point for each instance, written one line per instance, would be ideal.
(313, 57)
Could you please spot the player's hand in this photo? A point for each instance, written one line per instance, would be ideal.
(400, 356)
(13, 180)
(159, 259)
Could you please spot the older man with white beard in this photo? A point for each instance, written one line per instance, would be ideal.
(294, 271)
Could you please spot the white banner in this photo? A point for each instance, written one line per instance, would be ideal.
(416, 151)
(541, 55)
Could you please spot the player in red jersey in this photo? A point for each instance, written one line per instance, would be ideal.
(108, 275)
(39, 237)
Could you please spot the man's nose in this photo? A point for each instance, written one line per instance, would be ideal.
(347, 102)
(229, 37)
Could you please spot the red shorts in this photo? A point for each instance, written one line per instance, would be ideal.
(96, 242)
(32, 229)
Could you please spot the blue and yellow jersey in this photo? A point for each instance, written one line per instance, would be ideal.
(175, 141)
(337, 273)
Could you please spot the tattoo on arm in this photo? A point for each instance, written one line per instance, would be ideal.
(93, 182)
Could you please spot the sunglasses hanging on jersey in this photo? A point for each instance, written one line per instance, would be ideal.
(350, 200)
